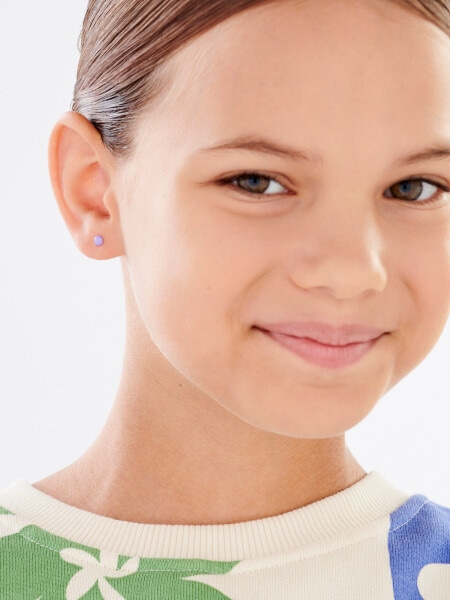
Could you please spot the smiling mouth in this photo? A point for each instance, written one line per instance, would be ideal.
(335, 348)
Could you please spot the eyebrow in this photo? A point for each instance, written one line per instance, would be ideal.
(266, 146)
(427, 154)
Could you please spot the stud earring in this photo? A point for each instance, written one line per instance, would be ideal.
(99, 240)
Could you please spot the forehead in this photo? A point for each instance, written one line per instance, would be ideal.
(340, 74)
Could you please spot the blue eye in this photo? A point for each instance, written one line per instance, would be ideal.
(413, 190)
(255, 184)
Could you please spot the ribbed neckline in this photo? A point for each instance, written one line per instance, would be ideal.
(365, 502)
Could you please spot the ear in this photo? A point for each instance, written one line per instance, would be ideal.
(82, 174)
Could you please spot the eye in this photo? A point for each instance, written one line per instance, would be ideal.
(256, 184)
(417, 191)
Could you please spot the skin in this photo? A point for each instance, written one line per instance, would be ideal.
(213, 422)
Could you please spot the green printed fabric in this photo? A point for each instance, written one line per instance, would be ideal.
(36, 565)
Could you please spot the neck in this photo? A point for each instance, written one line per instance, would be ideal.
(169, 454)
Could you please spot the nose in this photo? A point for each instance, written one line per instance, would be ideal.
(340, 254)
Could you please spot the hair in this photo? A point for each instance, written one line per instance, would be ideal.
(125, 45)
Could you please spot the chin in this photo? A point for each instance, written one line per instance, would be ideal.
(318, 414)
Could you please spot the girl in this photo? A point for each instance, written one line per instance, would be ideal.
(275, 178)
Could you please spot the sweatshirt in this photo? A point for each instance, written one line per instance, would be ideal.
(369, 541)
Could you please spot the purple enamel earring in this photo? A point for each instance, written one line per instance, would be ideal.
(99, 240)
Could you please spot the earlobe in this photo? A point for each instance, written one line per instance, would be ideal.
(81, 172)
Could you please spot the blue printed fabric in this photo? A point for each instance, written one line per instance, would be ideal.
(419, 550)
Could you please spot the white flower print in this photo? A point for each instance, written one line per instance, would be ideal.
(10, 525)
(93, 572)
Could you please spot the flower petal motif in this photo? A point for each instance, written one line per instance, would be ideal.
(94, 571)
(81, 583)
(434, 582)
(10, 525)
(78, 557)
(108, 592)
(108, 560)
(128, 568)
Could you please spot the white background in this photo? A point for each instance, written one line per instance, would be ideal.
(61, 317)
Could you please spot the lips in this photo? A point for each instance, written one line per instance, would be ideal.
(322, 344)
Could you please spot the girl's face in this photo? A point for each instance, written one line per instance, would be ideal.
(320, 104)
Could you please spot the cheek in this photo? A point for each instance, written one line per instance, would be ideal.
(190, 275)
(425, 297)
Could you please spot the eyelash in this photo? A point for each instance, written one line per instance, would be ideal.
(229, 181)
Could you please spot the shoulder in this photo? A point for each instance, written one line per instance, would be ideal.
(419, 549)
(421, 520)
